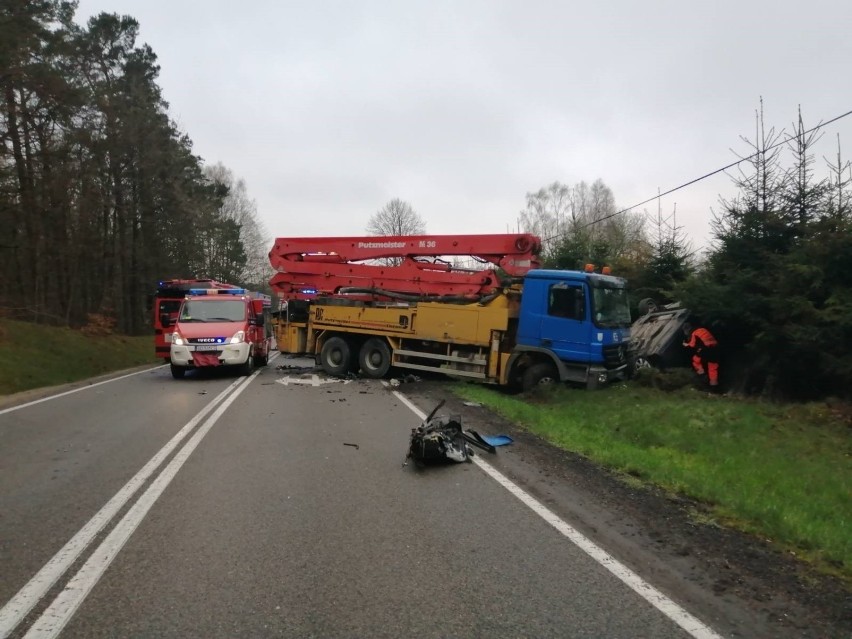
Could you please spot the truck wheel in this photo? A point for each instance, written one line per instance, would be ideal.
(178, 371)
(646, 306)
(247, 368)
(645, 362)
(542, 374)
(336, 356)
(375, 358)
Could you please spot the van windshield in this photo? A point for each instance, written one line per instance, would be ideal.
(213, 311)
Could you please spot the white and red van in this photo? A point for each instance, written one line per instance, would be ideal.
(221, 327)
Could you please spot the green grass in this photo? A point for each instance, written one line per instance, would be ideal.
(782, 472)
(33, 356)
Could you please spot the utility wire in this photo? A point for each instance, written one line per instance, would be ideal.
(724, 168)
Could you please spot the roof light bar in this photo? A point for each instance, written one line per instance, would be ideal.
(217, 291)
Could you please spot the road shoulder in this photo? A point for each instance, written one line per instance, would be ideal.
(739, 584)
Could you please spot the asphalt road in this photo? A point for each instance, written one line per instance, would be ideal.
(258, 520)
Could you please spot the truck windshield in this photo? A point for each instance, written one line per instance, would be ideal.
(213, 311)
(610, 306)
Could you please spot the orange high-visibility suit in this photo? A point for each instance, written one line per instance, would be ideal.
(705, 346)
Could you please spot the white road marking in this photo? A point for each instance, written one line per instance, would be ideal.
(57, 615)
(661, 602)
(77, 390)
(314, 380)
(27, 597)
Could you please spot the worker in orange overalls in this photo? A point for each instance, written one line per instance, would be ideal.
(704, 353)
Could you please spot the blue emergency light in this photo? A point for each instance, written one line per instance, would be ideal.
(217, 291)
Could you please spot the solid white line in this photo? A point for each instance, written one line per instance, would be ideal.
(27, 597)
(57, 615)
(661, 602)
(76, 390)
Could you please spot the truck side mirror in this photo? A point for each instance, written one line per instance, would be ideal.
(165, 320)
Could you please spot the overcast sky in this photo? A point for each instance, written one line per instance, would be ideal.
(330, 109)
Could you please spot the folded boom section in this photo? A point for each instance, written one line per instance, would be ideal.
(399, 267)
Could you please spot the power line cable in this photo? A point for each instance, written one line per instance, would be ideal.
(712, 173)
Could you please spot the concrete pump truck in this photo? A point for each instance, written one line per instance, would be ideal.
(372, 303)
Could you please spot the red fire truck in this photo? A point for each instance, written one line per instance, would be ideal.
(220, 327)
(167, 300)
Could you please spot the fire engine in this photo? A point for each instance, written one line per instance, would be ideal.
(220, 327)
(166, 303)
(372, 303)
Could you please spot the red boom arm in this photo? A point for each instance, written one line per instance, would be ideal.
(325, 265)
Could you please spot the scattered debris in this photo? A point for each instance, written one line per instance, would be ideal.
(204, 392)
(492, 440)
(477, 404)
(355, 446)
(441, 440)
(293, 367)
(408, 379)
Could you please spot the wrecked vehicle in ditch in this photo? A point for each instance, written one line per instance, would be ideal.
(657, 336)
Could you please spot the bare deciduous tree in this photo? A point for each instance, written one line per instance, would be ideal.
(578, 223)
(397, 217)
(241, 209)
(547, 213)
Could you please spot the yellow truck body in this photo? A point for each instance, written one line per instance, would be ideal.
(464, 340)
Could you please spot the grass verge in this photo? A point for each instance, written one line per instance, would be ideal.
(783, 472)
(33, 356)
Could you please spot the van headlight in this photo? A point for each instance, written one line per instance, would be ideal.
(239, 337)
(178, 339)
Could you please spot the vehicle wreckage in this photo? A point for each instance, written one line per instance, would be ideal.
(441, 440)
(656, 336)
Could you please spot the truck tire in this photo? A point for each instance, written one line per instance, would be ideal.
(262, 360)
(177, 371)
(375, 358)
(646, 306)
(336, 356)
(247, 368)
(643, 362)
(541, 374)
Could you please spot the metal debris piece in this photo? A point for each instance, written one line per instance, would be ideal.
(441, 440)
(355, 446)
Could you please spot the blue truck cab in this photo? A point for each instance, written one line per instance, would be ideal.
(573, 326)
